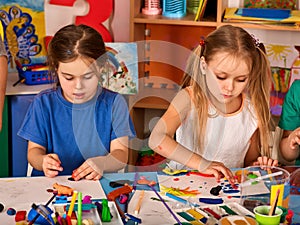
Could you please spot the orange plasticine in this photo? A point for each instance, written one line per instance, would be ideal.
(62, 189)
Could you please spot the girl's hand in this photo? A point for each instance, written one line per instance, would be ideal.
(86, 171)
(219, 170)
(294, 139)
(51, 165)
(265, 161)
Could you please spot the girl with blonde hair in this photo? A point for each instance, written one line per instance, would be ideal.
(221, 116)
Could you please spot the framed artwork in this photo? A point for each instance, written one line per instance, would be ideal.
(23, 30)
(121, 74)
(285, 69)
(273, 4)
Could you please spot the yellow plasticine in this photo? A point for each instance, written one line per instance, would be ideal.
(170, 171)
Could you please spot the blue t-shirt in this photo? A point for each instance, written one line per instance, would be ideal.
(76, 132)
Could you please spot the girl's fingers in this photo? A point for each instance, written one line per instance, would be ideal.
(275, 162)
(218, 169)
(264, 162)
(93, 176)
(51, 173)
(228, 174)
(51, 166)
(85, 171)
(215, 173)
(54, 156)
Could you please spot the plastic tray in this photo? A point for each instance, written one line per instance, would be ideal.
(34, 77)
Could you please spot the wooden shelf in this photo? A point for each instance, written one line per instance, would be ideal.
(188, 21)
(152, 98)
(152, 103)
(184, 21)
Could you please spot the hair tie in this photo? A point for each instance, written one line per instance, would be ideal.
(69, 52)
(255, 41)
(202, 41)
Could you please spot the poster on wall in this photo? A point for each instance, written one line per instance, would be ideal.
(122, 71)
(283, 4)
(23, 30)
(285, 67)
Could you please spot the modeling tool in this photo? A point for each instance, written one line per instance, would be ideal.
(274, 204)
(79, 211)
(21, 80)
(136, 177)
(182, 200)
(74, 196)
(166, 205)
(249, 182)
(139, 204)
(270, 172)
(133, 218)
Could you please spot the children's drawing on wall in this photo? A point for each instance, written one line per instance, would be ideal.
(291, 4)
(282, 59)
(24, 30)
(122, 73)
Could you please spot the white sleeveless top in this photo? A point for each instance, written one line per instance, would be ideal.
(227, 136)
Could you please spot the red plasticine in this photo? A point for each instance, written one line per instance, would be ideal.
(20, 216)
(210, 211)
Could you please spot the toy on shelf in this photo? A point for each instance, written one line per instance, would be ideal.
(192, 6)
(152, 7)
(174, 9)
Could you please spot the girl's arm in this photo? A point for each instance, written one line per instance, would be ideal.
(93, 168)
(289, 144)
(38, 159)
(253, 156)
(162, 139)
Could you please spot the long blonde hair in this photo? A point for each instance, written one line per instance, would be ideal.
(240, 44)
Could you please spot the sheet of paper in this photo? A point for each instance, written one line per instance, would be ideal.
(153, 211)
(20, 193)
(204, 185)
(195, 182)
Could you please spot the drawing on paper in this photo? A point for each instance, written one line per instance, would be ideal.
(23, 30)
(122, 73)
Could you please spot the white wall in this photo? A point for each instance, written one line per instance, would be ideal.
(57, 16)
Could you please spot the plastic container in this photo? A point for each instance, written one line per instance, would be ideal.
(152, 7)
(174, 8)
(262, 217)
(192, 6)
(260, 185)
(33, 74)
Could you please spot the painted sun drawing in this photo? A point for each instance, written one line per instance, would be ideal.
(277, 52)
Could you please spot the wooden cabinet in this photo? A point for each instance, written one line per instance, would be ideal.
(163, 47)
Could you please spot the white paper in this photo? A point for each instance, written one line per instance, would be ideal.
(153, 212)
(20, 193)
